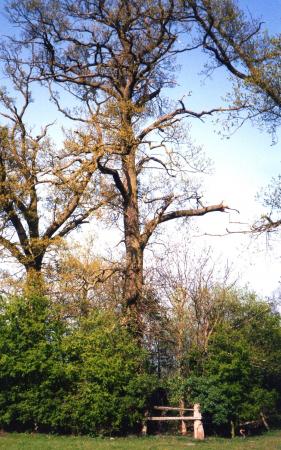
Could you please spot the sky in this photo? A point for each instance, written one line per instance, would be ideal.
(243, 165)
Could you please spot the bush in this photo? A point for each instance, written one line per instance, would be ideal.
(88, 378)
(31, 374)
(232, 386)
(110, 383)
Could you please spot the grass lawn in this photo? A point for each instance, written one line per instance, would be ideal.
(14, 441)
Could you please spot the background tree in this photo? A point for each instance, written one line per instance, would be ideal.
(253, 57)
(196, 296)
(78, 281)
(240, 376)
(44, 194)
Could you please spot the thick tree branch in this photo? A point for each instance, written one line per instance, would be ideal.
(116, 177)
(266, 224)
(64, 215)
(194, 212)
(152, 224)
(13, 249)
(165, 217)
(18, 226)
(75, 222)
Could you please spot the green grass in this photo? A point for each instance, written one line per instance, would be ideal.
(14, 441)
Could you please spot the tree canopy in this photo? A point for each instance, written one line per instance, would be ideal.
(117, 59)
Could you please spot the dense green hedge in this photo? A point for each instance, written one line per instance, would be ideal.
(86, 377)
(89, 375)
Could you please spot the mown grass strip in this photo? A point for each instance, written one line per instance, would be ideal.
(17, 441)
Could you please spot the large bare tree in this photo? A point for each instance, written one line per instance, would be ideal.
(117, 58)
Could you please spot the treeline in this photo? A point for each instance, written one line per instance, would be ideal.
(84, 370)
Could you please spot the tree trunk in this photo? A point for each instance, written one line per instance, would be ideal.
(34, 283)
(134, 255)
(264, 421)
(133, 284)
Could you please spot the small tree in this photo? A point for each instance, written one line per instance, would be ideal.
(196, 297)
(44, 194)
(78, 281)
(240, 378)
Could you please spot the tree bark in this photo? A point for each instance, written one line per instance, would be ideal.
(133, 284)
(34, 283)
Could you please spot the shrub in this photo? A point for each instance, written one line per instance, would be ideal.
(88, 378)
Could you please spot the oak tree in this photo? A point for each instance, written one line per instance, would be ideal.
(118, 58)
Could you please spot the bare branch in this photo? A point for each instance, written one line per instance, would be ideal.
(167, 119)
(146, 159)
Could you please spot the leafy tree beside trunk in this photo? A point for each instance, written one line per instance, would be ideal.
(43, 194)
(238, 377)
